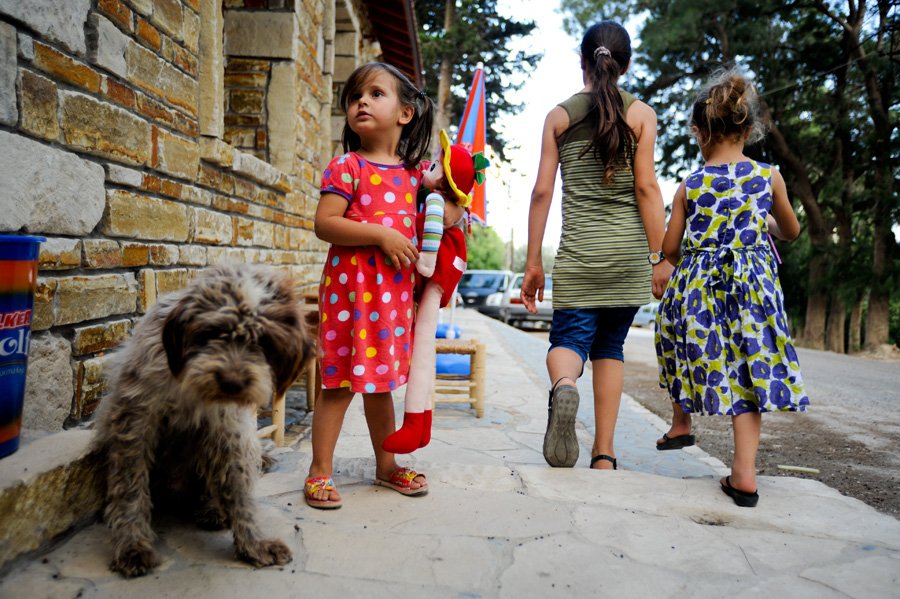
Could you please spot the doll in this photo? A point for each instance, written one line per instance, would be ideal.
(441, 263)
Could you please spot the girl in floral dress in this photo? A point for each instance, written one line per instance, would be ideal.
(367, 212)
(722, 339)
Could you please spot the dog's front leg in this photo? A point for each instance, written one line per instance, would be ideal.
(131, 445)
(233, 462)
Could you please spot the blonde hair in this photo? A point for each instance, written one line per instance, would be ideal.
(728, 108)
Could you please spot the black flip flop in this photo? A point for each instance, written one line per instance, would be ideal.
(603, 456)
(741, 498)
(678, 442)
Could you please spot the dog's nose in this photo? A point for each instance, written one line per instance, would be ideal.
(230, 383)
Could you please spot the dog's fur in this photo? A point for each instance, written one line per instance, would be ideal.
(182, 408)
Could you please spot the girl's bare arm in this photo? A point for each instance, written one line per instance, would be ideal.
(671, 245)
(786, 226)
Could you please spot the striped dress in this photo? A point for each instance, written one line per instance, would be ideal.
(602, 256)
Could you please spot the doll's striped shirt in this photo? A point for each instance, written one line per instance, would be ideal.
(602, 256)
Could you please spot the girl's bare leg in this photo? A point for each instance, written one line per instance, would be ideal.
(609, 378)
(746, 444)
(328, 418)
(379, 408)
(681, 423)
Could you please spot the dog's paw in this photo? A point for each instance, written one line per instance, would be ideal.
(265, 552)
(266, 462)
(211, 518)
(134, 561)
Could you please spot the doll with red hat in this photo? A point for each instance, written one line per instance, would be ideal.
(442, 261)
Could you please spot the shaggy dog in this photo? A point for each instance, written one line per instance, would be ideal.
(181, 414)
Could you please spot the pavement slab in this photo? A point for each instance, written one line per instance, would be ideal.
(498, 522)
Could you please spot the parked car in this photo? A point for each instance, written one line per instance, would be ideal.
(512, 310)
(646, 315)
(476, 285)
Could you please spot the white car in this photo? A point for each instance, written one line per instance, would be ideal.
(512, 310)
(646, 315)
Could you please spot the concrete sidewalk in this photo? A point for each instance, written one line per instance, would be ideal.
(498, 522)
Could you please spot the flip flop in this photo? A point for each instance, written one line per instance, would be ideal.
(320, 483)
(603, 456)
(401, 481)
(741, 498)
(678, 442)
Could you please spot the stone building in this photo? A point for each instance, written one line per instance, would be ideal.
(148, 139)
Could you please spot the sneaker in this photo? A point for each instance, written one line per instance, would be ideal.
(560, 442)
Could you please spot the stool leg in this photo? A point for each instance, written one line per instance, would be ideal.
(478, 368)
(278, 419)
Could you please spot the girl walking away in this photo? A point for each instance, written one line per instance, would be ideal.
(722, 338)
(367, 212)
(602, 139)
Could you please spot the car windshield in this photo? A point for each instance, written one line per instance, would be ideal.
(548, 283)
(475, 280)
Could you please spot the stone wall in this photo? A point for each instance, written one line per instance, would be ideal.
(119, 143)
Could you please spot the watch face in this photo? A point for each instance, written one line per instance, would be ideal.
(655, 258)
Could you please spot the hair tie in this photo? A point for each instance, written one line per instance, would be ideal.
(420, 94)
(601, 51)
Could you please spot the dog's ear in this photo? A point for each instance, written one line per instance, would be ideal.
(173, 339)
(287, 345)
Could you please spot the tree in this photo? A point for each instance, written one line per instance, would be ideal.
(485, 250)
(828, 83)
(456, 35)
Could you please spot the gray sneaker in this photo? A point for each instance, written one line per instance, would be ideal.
(560, 442)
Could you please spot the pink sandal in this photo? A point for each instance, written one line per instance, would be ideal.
(401, 481)
(315, 484)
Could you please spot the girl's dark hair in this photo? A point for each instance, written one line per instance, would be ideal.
(605, 54)
(415, 138)
(727, 108)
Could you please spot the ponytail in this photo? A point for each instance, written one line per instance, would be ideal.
(606, 53)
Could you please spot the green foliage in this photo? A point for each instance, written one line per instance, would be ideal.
(485, 250)
(548, 258)
(479, 35)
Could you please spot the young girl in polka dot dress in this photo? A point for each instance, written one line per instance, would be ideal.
(367, 212)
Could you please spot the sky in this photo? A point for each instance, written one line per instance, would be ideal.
(556, 77)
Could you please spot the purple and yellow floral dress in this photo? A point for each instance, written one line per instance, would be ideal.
(722, 338)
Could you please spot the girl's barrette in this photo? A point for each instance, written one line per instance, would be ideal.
(601, 51)
(708, 101)
(420, 94)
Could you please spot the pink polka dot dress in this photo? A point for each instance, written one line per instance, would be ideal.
(365, 303)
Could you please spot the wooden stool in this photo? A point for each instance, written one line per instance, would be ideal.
(461, 388)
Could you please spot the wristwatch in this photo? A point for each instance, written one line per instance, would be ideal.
(656, 257)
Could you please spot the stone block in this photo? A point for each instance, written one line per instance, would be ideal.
(39, 105)
(107, 45)
(100, 337)
(163, 254)
(87, 298)
(61, 22)
(43, 315)
(213, 149)
(246, 101)
(102, 253)
(9, 114)
(60, 253)
(156, 76)
(168, 281)
(212, 227)
(192, 255)
(48, 388)
(191, 31)
(65, 68)
(47, 190)
(149, 34)
(91, 387)
(26, 46)
(146, 289)
(260, 34)
(118, 93)
(281, 106)
(167, 15)
(142, 217)
(211, 99)
(145, 7)
(122, 175)
(46, 488)
(117, 11)
(104, 129)
(135, 254)
(254, 168)
(177, 156)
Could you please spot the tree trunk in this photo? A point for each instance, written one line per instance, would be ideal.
(816, 305)
(855, 327)
(837, 320)
(442, 114)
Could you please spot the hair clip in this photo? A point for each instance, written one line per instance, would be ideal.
(601, 51)
(420, 94)
(708, 101)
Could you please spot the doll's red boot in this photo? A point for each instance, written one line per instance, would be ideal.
(426, 429)
(407, 438)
